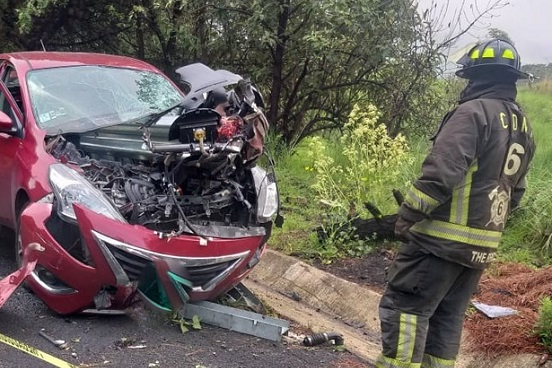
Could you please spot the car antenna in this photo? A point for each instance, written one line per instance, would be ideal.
(42, 43)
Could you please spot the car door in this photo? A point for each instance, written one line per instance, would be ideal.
(10, 141)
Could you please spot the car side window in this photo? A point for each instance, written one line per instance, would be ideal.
(10, 87)
(4, 103)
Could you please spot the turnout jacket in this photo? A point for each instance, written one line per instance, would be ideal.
(472, 178)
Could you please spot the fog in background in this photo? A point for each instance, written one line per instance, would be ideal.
(527, 22)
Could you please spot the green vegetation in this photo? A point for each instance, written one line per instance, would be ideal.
(327, 178)
(528, 235)
(365, 160)
(544, 323)
(313, 60)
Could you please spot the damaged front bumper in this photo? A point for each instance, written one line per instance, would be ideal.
(124, 260)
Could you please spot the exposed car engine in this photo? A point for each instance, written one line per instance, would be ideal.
(201, 188)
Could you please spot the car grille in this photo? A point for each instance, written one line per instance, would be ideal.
(133, 265)
(198, 275)
(129, 263)
(201, 275)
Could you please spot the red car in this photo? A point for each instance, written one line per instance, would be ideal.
(126, 183)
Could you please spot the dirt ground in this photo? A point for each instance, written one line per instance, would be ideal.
(508, 285)
(368, 270)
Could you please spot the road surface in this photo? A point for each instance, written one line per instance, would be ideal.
(140, 339)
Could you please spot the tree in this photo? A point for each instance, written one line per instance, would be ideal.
(498, 33)
(314, 60)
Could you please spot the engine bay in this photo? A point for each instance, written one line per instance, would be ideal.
(159, 190)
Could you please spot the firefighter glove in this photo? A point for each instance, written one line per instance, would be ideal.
(407, 217)
(402, 229)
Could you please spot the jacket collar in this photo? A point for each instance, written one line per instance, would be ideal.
(488, 89)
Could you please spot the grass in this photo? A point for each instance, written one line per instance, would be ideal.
(527, 238)
(298, 202)
(527, 235)
(544, 323)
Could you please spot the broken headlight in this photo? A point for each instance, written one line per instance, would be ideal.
(267, 194)
(70, 187)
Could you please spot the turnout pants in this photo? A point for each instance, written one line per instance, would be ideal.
(422, 309)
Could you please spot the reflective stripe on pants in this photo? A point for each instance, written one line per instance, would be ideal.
(385, 362)
(431, 361)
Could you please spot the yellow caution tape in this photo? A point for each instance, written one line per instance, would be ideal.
(35, 352)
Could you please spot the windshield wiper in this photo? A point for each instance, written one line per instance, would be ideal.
(153, 117)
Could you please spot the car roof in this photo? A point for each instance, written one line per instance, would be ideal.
(49, 59)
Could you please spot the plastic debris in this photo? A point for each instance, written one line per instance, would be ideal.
(494, 311)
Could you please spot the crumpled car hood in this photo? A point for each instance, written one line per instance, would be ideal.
(201, 79)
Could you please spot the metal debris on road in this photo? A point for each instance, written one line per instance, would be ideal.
(320, 338)
(238, 320)
(61, 344)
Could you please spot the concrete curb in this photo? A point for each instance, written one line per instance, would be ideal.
(297, 288)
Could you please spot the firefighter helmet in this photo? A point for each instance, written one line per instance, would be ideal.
(497, 54)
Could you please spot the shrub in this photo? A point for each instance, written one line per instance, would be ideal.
(544, 323)
(370, 163)
(362, 166)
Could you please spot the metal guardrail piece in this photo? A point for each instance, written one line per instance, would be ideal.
(238, 320)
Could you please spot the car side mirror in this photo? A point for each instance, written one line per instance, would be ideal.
(6, 123)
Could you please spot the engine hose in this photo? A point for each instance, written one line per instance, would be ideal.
(130, 193)
(320, 338)
(181, 212)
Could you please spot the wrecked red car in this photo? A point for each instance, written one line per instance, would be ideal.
(128, 186)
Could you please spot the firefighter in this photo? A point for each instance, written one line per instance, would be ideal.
(454, 214)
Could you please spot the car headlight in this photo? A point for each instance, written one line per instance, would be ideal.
(70, 187)
(267, 194)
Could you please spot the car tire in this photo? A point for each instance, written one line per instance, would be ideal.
(17, 241)
(18, 249)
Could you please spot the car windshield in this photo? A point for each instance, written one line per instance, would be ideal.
(84, 98)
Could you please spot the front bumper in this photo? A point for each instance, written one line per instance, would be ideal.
(125, 259)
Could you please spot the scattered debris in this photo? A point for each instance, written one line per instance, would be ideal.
(293, 338)
(137, 346)
(125, 342)
(11, 282)
(105, 312)
(236, 320)
(493, 311)
(241, 297)
(61, 344)
(320, 338)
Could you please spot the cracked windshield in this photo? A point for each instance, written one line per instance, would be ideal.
(87, 97)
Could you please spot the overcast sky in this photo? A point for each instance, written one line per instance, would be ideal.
(527, 22)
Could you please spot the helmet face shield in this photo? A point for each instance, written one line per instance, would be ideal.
(495, 54)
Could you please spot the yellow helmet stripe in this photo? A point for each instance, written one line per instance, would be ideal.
(508, 54)
(488, 53)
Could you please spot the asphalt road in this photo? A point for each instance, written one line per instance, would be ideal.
(111, 341)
